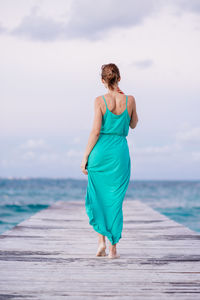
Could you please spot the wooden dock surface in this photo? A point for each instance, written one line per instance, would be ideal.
(51, 255)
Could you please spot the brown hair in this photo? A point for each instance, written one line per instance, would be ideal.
(110, 73)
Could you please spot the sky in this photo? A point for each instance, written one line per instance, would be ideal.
(51, 54)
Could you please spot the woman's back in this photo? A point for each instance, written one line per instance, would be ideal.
(112, 122)
(116, 104)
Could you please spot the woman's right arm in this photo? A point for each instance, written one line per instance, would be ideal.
(134, 116)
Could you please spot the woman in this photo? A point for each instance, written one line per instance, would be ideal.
(107, 161)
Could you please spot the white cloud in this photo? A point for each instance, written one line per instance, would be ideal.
(190, 136)
(83, 19)
(154, 150)
(48, 157)
(34, 144)
(76, 140)
(185, 5)
(41, 157)
(73, 153)
(143, 64)
(176, 149)
(2, 29)
(30, 155)
(4, 162)
(48, 21)
(196, 156)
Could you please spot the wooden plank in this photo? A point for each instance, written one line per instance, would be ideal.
(51, 255)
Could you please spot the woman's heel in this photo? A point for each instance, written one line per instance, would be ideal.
(101, 251)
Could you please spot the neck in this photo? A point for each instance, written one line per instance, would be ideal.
(115, 91)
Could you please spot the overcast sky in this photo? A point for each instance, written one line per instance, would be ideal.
(51, 54)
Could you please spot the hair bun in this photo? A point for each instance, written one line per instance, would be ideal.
(110, 73)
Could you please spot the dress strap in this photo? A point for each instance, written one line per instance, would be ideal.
(126, 100)
(105, 101)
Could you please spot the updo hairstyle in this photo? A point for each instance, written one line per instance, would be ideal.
(110, 73)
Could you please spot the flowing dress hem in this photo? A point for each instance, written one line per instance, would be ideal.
(111, 239)
(98, 229)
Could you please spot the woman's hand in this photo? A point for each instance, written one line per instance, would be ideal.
(83, 165)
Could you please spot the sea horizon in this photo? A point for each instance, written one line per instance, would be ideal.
(21, 197)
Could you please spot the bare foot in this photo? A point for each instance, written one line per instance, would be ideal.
(113, 255)
(101, 250)
(113, 252)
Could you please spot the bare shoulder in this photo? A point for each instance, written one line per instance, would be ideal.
(131, 100)
(98, 104)
(98, 101)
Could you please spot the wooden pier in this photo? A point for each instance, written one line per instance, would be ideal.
(51, 255)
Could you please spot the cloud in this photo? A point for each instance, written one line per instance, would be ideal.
(143, 64)
(156, 154)
(189, 136)
(73, 153)
(39, 27)
(86, 19)
(182, 148)
(41, 158)
(154, 150)
(37, 151)
(34, 144)
(30, 155)
(2, 29)
(76, 140)
(196, 156)
(91, 20)
(45, 157)
(48, 157)
(191, 6)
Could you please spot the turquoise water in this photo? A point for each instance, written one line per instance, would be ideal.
(21, 198)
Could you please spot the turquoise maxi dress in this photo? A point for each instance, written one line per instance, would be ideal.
(109, 170)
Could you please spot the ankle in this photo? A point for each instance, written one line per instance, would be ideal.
(113, 249)
(102, 243)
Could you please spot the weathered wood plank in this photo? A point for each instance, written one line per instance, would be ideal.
(51, 255)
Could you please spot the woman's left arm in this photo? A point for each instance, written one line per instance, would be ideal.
(94, 134)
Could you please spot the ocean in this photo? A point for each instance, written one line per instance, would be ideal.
(21, 198)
